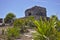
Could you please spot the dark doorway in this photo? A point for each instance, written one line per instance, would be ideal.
(29, 14)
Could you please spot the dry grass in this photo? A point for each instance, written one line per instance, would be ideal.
(22, 37)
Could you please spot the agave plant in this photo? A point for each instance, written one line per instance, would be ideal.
(45, 30)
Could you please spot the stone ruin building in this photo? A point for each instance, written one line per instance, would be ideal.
(36, 11)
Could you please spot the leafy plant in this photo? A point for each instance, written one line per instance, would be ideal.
(20, 23)
(46, 30)
(9, 18)
(12, 33)
(3, 31)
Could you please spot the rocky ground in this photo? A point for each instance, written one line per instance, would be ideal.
(25, 36)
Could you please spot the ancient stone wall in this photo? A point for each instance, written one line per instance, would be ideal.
(36, 11)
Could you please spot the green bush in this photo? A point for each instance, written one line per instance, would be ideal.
(17, 23)
(20, 23)
(12, 33)
(9, 18)
(3, 31)
(45, 30)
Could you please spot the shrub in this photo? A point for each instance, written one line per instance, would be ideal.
(3, 31)
(45, 30)
(12, 33)
(20, 23)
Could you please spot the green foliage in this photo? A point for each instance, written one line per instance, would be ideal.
(9, 17)
(30, 21)
(46, 29)
(20, 23)
(12, 33)
(17, 23)
(54, 16)
(3, 31)
(58, 25)
(58, 35)
(24, 23)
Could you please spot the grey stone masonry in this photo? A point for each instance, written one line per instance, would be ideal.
(36, 11)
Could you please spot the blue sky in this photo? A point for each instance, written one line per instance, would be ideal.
(18, 7)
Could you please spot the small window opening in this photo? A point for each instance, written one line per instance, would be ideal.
(29, 14)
